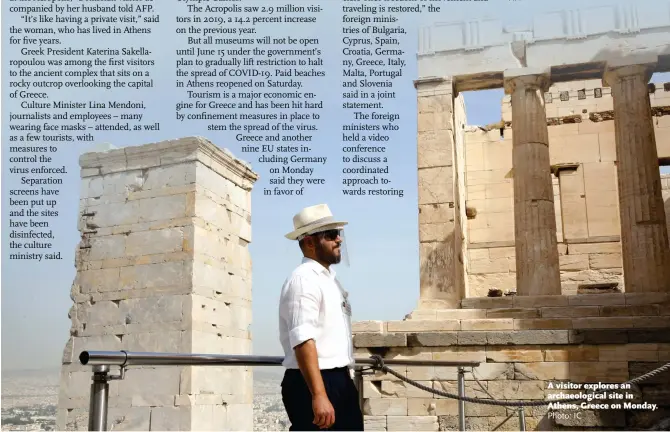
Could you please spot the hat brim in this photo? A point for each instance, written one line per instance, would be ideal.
(293, 235)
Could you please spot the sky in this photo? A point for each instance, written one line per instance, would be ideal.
(382, 236)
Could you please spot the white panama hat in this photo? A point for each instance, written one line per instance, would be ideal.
(313, 219)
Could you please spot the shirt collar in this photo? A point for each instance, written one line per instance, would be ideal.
(318, 268)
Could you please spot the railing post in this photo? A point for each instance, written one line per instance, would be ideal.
(522, 419)
(461, 403)
(97, 412)
(358, 380)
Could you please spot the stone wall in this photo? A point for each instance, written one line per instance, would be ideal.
(440, 230)
(522, 344)
(163, 265)
(582, 153)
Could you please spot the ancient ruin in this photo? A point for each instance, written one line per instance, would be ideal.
(163, 266)
(543, 242)
(544, 237)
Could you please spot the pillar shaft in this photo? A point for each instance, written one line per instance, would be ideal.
(644, 236)
(442, 272)
(176, 267)
(537, 267)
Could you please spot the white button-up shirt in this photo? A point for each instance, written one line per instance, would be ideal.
(313, 305)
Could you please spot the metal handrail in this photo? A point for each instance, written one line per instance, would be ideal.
(128, 358)
(102, 360)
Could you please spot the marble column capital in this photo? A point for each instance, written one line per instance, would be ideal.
(532, 81)
(612, 75)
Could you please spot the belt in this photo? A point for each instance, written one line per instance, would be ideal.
(337, 369)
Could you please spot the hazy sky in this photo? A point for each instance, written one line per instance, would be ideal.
(382, 236)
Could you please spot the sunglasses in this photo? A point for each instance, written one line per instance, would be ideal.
(331, 234)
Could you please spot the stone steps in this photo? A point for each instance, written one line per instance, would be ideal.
(610, 299)
(594, 336)
(618, 318)
(500, 324)
(541, 312)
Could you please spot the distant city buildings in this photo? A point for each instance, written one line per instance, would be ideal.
(29, 406)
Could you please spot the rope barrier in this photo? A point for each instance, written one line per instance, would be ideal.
(379, 365)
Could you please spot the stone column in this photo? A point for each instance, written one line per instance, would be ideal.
(442, 272)
(644, 236)
(537, 267)
(163, 266)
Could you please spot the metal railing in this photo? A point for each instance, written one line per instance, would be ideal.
(103, 360)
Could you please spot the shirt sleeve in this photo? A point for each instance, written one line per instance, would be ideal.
(301, 309)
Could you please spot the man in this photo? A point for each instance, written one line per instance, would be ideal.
(315, 330)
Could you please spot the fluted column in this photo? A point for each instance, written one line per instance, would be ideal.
(644, 236)
(537, 268)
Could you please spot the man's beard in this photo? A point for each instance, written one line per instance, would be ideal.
(328, 257)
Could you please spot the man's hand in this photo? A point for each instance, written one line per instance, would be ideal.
(324, 413)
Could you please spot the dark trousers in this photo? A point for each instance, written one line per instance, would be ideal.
(341, 392)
